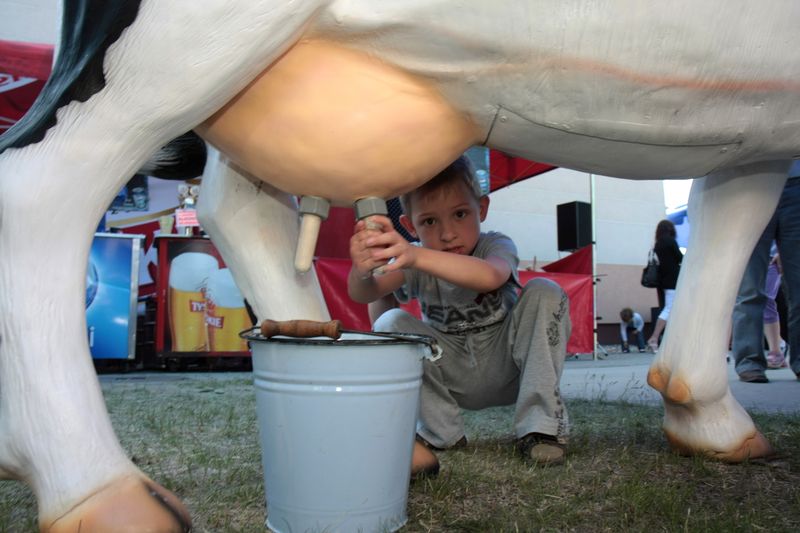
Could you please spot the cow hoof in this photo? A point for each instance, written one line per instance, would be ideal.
(423, 462)
(131, 504)
(706, 421)
(755, 446)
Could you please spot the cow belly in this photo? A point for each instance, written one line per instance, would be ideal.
(624, 158)
(333, 122)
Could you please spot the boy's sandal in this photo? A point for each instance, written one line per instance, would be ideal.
(460, 443)
(541, 449)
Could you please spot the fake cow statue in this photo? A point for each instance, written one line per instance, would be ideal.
(346, 99)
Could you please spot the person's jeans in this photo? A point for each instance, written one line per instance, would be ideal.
(748, 324)
(639, 338)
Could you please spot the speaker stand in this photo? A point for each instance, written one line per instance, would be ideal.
(599, 351)
(595, 280)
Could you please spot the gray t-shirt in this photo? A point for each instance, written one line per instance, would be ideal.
(454, 309)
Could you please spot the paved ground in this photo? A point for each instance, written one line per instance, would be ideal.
(617, 377)
(624, 377)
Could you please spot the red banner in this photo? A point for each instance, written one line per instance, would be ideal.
(333, 273)
(579, 290)
(505, 169)
(578, 262)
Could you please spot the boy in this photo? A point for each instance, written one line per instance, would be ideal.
(631, 322)
(499, 347)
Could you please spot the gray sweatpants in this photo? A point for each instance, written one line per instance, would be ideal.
(516, 361)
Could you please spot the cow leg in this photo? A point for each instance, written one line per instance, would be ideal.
(173, 67)
(255, 228)
(56, 433)
(728, 211)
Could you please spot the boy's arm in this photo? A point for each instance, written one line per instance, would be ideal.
(368, 288)
(380, 306)
(479, 275)
(374, 248)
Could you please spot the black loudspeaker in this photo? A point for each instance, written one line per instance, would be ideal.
(574, 225)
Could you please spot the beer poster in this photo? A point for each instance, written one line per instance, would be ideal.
(201, 310)
(112, 281)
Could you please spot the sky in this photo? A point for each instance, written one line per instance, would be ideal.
(676, 193)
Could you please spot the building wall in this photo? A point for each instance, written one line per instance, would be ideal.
(619, 287)
(627, 212)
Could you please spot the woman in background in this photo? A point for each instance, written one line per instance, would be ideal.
(772, 320)
(669, 265)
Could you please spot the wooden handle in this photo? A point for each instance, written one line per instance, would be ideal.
(301, 328)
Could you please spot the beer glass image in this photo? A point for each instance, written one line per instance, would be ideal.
(226, 314)
(188, 273)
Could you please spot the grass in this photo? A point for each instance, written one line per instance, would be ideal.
(199, 439)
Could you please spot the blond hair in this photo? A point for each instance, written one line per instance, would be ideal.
(460, 169)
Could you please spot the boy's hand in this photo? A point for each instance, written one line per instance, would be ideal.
(387, 244)
(360, 252)
(373, 244)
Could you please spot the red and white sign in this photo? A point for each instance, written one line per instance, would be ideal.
(24, 69)
(186, 218)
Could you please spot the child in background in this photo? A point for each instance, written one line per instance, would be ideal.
(631, 322)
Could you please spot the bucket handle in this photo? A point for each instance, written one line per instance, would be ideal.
(333, 329)
(301, 328)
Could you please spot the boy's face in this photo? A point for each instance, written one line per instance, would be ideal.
(447, 219)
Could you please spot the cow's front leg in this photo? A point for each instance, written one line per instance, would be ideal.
(255, 227)
(55, 433)
(728, 211)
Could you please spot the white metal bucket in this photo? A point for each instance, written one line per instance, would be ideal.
(337, 422)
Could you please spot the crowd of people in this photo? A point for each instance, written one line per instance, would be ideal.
(773, 266)
(669, 258)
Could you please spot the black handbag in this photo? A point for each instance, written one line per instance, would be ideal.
(650, 272)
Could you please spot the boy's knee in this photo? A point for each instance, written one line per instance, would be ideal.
(544, 291)
(394, 320)
(543, 296)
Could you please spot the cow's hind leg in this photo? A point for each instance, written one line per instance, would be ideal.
(728, 211)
